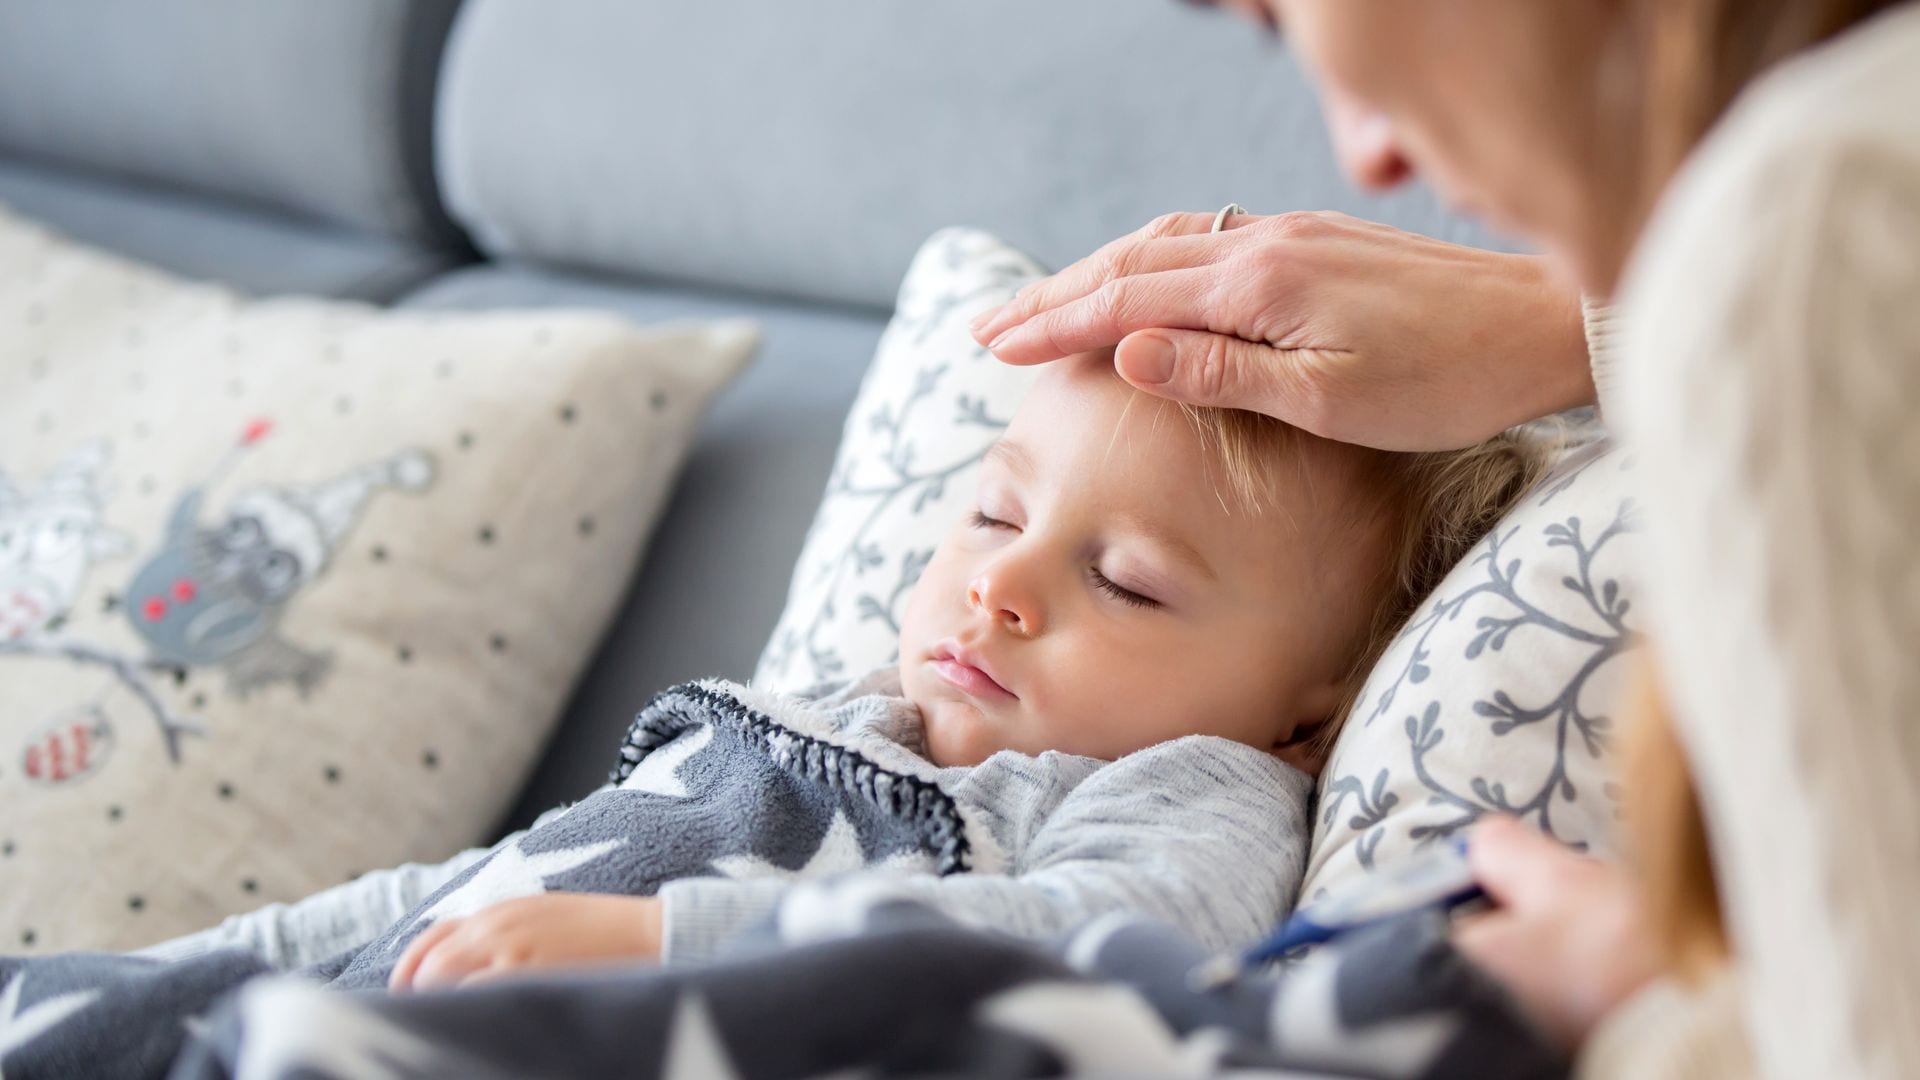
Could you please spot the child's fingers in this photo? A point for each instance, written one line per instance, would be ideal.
(449, 962)
(489, 973)
(417, 950)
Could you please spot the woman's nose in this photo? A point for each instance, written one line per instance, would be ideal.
(1364, 143)
(1000, 594)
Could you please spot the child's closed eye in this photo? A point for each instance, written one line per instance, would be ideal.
(1118, 591)
(980, 520)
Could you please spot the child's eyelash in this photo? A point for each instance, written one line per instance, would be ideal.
(982, 521)
(1120, 592)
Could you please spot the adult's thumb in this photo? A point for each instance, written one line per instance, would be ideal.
(1204, 368)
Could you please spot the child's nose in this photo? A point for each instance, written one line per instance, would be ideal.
(999, 595)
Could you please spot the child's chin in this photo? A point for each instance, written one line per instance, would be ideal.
(960, 733)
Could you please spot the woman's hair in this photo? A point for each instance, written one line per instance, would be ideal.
(1424, 511)
(1698, 55)
(1667, 836)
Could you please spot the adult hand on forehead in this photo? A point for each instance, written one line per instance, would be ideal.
(1349, 329)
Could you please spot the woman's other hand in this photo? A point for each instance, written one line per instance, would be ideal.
(1567, 939)
(553, 930)
(1352, 330)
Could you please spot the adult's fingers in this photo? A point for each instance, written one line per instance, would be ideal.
(1180, 299)
(417, 950)
(1204, 368)
(1515, 864)
(1141, 252)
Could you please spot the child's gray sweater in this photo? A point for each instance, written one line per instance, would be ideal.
(1200, 832)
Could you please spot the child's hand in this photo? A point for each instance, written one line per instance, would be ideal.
(554, 930)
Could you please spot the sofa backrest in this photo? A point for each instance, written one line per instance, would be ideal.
(321, 108)
(807, 148)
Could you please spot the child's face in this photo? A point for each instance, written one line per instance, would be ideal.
(1108, 597)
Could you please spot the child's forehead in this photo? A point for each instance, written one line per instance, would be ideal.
(1082, 421)
(1134, 453)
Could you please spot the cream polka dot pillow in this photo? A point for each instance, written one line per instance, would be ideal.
(293, 589)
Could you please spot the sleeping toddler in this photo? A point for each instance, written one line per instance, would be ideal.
(1116, 679)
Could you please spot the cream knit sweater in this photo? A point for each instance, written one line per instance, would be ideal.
(1766, 368)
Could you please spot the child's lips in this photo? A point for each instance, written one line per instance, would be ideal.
(967, 672)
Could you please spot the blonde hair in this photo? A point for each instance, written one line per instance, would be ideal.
(1666, 835)
(1427, 509)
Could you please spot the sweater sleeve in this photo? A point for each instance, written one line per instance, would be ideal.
(347, 916)
(1772, 380)
(1200, 833)
(1598, 319)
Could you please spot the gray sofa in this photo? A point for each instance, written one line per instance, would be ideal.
(659, 158)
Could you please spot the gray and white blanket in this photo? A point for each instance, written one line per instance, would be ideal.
(846, 974)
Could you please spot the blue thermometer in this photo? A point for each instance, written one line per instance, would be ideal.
(1438, 878)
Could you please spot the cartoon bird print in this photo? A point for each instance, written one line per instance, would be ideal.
(215, 594)
(49, 540)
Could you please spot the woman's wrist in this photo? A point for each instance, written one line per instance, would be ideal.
(1563, 358)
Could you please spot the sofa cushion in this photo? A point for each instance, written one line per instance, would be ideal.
(322, 109)
(807, 149)
(717, 566)
(291, 589)
(199, 236)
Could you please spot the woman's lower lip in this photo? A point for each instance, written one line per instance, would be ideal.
(970, 680)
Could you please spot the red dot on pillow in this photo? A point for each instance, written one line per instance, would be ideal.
(154, 609)
(184, 590)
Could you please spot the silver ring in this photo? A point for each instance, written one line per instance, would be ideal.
(1227, 211)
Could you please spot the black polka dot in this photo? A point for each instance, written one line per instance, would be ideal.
(405, 654)
(332, 773)
(136, 902)
(430, 760)
(379, 553)
(486, 534)
(659, 400)
(28, 937)
(343, 406)
(114, 813)
(444, 369)
(248, 885)
(466, 440)
(225, 789)
(499, 643)
(567, 414)
(6, 849)
(147, 485)
(199, 701)
(586, 526)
